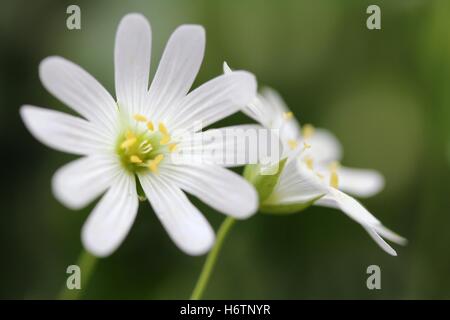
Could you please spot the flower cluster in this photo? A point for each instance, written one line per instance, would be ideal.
(127, 146)
(311, 172)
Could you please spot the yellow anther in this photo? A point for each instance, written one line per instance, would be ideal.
(128, 143)
(150, 126)
(292, 144)
(135, 159)
(306, 145)
(140, 117)
(153, 164)
(158, 158)
(172, 147)
(334, 179)
(288, 115)
(165, 139)
(162, 128)
(309, 162)
(307, 131)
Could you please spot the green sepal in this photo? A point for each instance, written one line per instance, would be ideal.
(264, 183)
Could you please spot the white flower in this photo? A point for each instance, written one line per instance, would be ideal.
(312, 173)
(134, 135)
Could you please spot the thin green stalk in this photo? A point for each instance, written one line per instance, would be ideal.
(211, 259)
(86, 262)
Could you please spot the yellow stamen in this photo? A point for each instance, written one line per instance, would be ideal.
(128, 143)
(172, 147)
(158, 158)
(140, 117)
(130, 135)
(292, 144)
(153, 164)
(135, 159)
(162, 128)
(150, 126)
(306, 145)
(334, 179)
(309, 162)
(165, 139)
(307, 131)
(288, 115)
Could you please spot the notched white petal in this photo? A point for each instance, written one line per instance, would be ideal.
(177, 70)
(79, 90)
(220, 188)
(64, 132)
(132, 63)
(380, 241)
(112, 218)
(79, 182)
(372, 225)
(214, 100)
(186, 226)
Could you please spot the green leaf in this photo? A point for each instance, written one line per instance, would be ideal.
(262, 180)
(287, 208)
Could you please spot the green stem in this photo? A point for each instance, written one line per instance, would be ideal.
(86, 262)
(211, 259)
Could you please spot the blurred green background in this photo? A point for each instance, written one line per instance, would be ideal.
(385, 94)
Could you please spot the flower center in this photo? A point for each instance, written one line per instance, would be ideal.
(141, 148)
(307, 132)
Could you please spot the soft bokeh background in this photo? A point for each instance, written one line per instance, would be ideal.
(385, 94)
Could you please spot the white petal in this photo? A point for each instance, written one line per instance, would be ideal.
(214, 100)
(325, 147)
(330, 202)
(112, 218)
(79, 90)
(261, 109)
(390, 235)
(270, 110)
(186, 226)
(230, 146)
(220, 188)
(360, 182)
(260, 112)
(357, 212)
(132, 62)
(177, 70)
(353, 208)
(327, 201)
(63, 132)
(226, 68)
(81, 181)
(380, 241)
(297, 184)
(274, 99)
